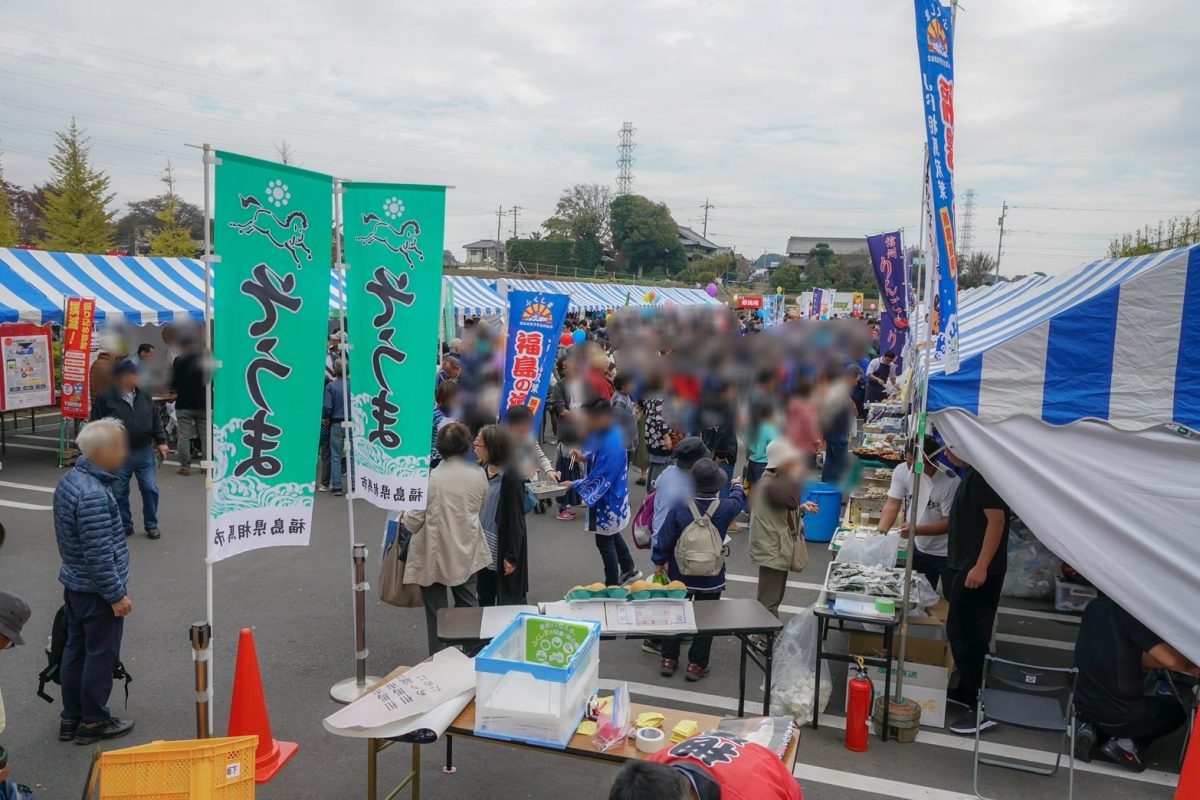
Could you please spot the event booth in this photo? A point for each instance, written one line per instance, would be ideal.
(1077, 389)
(34, 284)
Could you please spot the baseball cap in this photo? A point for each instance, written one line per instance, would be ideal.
(689, 451)
(125, 366)
(14, 613)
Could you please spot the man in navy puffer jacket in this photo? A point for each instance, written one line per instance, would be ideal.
(94, 574)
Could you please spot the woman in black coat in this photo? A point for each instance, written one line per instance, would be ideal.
(506, 581)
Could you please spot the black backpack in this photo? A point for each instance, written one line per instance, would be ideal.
(54, 654)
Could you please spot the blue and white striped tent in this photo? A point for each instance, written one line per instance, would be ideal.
(581, 298)
(473, 295)
(1115, 340)
(35, 283)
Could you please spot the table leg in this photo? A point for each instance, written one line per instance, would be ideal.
(769, 666)
(372, 765)
(416, 768)
(822, 627)
(742, 678)
(449, 768)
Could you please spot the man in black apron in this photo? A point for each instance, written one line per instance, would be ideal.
(879, 373)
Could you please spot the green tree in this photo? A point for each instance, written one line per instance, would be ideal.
(10, 234)
(1175, 232)
(589, 253)
(174, 238)
(975, 269)
(790, 278)
(555, 250)
(645, 234)
(75, 215)
(583, 210)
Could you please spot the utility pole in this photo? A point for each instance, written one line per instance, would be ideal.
(1000, 246)
(515, 210)
(499, 215)
(707, 205)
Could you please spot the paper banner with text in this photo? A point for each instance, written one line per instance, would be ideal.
(535, 321)
(75, 398)
(935, 50)
(393, 252)
(272, 227)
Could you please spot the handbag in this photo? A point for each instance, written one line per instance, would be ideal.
(392, 588)
(799, 548)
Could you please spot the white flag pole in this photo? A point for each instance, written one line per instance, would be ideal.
(210, 160)
(349, 689)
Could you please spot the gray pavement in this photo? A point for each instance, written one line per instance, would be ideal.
(297, 601)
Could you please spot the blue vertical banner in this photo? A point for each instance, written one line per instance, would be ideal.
(535, 321)
(814, 306)
(935, 51)
(887, 259)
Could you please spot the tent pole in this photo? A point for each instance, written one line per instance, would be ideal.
(209, 161)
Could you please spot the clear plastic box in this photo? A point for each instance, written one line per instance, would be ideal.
(1072, 596)
(532, 683)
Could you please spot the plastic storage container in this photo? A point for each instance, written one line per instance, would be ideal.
(819, 527)
(220, 769)
(1072, 596)
(533, 681)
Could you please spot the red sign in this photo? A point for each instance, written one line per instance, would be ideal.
(750, 301)
(75, 399)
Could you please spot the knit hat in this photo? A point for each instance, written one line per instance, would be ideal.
(781, 452)
(689, 451)
(707, 476)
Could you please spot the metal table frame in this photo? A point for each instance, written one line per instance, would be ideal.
(825, 617)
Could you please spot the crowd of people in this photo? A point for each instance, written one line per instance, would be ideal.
(674, 402)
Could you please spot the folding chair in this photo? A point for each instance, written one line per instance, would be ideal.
(1028, 696)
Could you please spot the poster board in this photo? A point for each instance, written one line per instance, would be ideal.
(28, 366)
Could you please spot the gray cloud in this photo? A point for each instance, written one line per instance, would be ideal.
(797, 117)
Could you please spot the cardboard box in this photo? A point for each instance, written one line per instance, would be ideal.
(927, 668)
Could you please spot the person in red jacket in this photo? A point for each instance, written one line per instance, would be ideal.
(711, 766)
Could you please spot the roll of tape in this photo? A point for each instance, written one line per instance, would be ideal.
(650, 740)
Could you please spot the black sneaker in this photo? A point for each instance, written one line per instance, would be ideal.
(1129, 759)
(128, 532)
(153, 533)
(66, 729)
(630, 576)
(969, 722)
(652, 646)
(1085, 741)
(337, 492)
(111, 728)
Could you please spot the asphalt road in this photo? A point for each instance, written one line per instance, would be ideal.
(297, 601)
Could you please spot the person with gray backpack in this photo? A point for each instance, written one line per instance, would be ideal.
(690, 547)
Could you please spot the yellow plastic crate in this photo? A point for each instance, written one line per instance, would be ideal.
(185, 769)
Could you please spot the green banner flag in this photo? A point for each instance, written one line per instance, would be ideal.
(393, 253)
(272, 227)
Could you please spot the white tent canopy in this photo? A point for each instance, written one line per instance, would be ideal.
(1078, 398)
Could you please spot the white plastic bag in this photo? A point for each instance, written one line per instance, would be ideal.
(872, 550)
(921, 592)
(1031, 567)
(795, 673)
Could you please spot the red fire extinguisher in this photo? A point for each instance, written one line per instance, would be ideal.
(859, 699)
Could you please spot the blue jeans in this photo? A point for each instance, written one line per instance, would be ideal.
(835, 459)
(92, 650)
(337, 451)
(142, 464)
(727, 468)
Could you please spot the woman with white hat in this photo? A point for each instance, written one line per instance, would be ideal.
(776, 541)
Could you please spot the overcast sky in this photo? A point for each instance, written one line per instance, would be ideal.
(798, 117)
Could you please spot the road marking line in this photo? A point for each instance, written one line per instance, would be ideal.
(26, 506)
(967, 743)
(27, 486)
(33, 436)
(886, 787)
(32, 447)
(1009, 610)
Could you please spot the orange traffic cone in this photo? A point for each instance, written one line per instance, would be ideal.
(1188, 787)
(248, 712)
